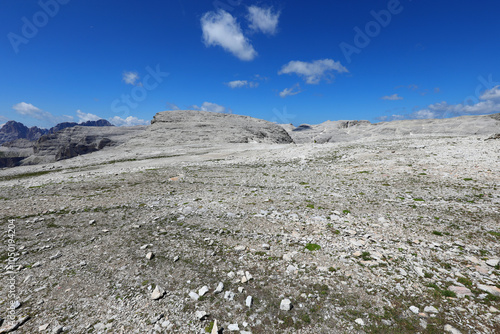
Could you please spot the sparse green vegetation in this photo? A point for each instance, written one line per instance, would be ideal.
(313, 247)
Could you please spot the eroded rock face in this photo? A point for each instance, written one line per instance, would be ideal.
(79, 140)
(87, 144)
(194, 126)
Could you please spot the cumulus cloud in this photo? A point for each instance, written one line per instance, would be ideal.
(84, 117)
(172, 106)
(213, 107)
(489, 103)
(263, 19)
(315, 71)
(491, 94)
(130, 78)
(242, 83)
(29, 110)
(294, 90)
(129, 121)
(393, 97)
(221, 29)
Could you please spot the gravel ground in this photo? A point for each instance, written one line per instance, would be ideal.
(388, 236)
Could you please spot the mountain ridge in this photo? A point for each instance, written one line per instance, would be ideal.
(13, 130)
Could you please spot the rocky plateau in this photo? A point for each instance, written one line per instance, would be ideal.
(215, 223)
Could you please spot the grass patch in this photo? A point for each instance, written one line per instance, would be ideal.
(495, 234)
(465, 281)
(313, 247)
(23, 176)
(366, 256)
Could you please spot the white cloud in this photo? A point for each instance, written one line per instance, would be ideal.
(393, 97)
(129, 121)
(130, 78)
(263, 19)
(84, 117)
(315, 71)
(222, 29)
(491, 94)
(237, 83)
(490, 104)
(242, 83)
(294, 90)
(213, 107)
(172, 106)
(29, 110)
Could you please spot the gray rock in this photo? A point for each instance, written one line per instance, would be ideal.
(360, 321)
(249, 301)
(419, 271)
(57, 330)
(43, 327)
(286, 305)
(194, 295)
(430, 309)
(233, 327)
(450, 329)
(220, 288)
(248, 276)
(291, 269)
(490, 289)
(99, 326)
(460, 291)
(200, 315)
(203, 291)
(157, 293)
(492, 262)
(414, 309)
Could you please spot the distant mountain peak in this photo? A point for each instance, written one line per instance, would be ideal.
(13, 130)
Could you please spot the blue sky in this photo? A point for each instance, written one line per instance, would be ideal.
(283, 61)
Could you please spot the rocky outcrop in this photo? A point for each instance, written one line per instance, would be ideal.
(194, 126)
(64, 144)
(79, 140)
(343, 131)
(87, 144)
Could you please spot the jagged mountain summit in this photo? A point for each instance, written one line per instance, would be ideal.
(13, 130)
